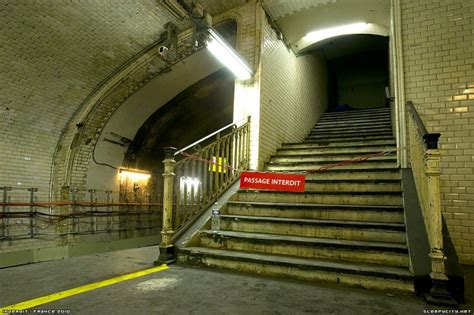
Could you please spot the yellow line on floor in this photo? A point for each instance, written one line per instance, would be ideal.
(85, 288)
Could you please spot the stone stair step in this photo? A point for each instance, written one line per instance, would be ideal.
(355, 111)
(389, 254)
(353, 123)
(309, 166)
(330, 157)
(342, 229)
(327, 197)
(354, 119)
(358, 126)
(346, 137)
(369, 276)
(354, 174)
(321, 151)
(348, 144)
(353, 185)
(350, 131)
(340, 115)
(355, 140)
(389, 214)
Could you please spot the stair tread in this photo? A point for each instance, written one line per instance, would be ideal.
(358, 181)
(352, 129)
(304, 147)
(339, 192)
(349, 136)
(325, 264)
(310, 240)
(380, 117)
(339, 150)
(328, 162)
(317, 205)
(322, 154)
(362, 138)
(365, 224)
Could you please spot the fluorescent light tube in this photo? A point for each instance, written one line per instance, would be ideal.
(230, 58)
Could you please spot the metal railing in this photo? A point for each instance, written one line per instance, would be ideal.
(203, 176)
(196, 181)
(79, 212)
(425, 163)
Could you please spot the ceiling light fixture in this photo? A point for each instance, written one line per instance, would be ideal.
(227, 55)
(353, 28)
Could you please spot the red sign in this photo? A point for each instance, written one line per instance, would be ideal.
(272, 181)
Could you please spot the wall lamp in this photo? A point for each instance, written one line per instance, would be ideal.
(134, 175)
(227, 55)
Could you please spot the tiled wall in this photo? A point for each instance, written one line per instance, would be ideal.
(438, 51)
(292, 96)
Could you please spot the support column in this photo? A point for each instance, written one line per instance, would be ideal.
(167, 250)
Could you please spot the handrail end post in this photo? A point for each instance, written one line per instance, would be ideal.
(167, 250)
(431, 140)
(439, 293)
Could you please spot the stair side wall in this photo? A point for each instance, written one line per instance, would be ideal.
(437, 40)
(293, 94)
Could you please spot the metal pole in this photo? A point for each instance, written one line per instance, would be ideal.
(92, 211)
(167, 251)
(107, 193)
(32, 211)
(5, 189)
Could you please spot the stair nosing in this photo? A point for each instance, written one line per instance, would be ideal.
(333, 154)
(387, 227)
(397, 273)
(319, 205)
(314, 241)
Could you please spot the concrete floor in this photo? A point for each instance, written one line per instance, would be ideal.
(183, 290)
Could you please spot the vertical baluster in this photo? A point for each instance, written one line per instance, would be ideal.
(227, 156)
(247, 144)
(194, 187)
(205, 176)
(212, 154)
(239, 149)
(217, 166)
(234, 154)
(186, 192)
(199, 176)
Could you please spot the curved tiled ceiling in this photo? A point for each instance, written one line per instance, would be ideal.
(298, 18)
(54, 53)
(281, 8)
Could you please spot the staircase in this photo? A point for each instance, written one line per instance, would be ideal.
(347, 227)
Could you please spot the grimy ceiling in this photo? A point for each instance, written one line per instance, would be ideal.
(57, 51)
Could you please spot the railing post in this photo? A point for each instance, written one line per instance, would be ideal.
(167, 251)
(438, 276)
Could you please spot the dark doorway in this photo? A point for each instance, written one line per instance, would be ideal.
(358, 71)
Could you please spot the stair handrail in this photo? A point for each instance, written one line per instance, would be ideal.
(193, 183)
(195, 143)
(424, 158)
(430, 139)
